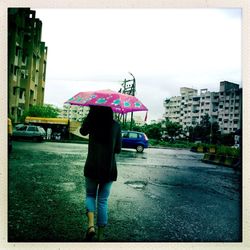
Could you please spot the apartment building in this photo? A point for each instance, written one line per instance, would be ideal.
(74, 112)
(27, 59)
(223, 107)
(230, 107)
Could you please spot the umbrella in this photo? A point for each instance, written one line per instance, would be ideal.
(120, 103)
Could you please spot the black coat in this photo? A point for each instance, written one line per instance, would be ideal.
(101, 163)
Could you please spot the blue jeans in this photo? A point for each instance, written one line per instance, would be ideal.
(100, 191)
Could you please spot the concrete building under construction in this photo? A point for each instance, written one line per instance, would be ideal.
(27, 59)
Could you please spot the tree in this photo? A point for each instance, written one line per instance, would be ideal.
(205, 131)
(47, 110)
(205, 122)
(172, 129)
(215, 132)
(153, 131)
(202, 131)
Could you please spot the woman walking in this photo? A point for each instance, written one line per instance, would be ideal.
(100, 169)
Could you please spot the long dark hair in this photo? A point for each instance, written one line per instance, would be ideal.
(100, 121)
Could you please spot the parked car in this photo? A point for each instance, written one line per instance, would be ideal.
(35, 133)
(10, 131)
(133, 139)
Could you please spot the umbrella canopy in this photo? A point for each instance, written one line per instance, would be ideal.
(120, 103)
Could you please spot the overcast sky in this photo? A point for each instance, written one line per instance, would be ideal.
(165, 49)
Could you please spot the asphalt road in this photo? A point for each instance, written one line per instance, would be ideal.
(161, 195)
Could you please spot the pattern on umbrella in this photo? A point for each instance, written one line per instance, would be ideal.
(120, 103)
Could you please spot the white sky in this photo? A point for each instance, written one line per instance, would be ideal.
(164, 49)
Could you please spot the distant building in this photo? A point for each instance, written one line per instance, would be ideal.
(224, 107)
(137, 119)
(74, 112)
(230, 107)
(27, 59)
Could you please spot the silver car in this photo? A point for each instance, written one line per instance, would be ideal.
(35, 133)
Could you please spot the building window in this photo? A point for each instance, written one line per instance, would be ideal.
(21, 93)
(11, 68)
(27, 37)
(24, 58)
(44, 70)
(15, 70)
(22, 75)
(17, 50)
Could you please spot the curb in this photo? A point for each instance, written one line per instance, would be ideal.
(68, 141)
(86, 142)
(224, 160)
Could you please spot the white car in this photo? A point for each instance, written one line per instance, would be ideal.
(35, 133)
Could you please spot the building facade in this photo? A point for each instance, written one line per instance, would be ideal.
(27, 60)
(74, 112)
(224, 107)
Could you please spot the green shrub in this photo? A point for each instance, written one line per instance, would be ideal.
(225, 150)
(153, 142)
(176, 144)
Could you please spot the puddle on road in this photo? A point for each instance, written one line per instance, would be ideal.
(136, 184)
(166, 185)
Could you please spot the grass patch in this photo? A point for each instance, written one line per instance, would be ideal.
(176, 144)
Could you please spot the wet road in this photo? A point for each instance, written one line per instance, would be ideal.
(161, 195)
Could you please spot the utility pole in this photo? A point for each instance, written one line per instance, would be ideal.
(128, 87)
(133, 94)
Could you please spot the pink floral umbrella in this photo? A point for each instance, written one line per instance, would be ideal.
(120, 103)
